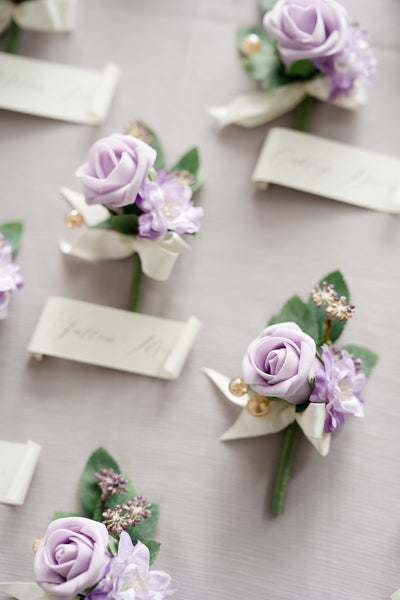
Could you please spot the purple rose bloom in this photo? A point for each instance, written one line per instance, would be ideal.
(128, 576)
(355, 61)
(338, 383)
(116, 169)
(280, 362)
(167, 206)
(71, 557)
(10, 278)
(307, 29)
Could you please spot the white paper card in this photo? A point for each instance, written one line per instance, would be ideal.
(331, 169)
(17, 465)
(114, 338)
(56, 91)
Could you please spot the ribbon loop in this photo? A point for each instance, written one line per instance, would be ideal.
(257, 108)
(39, 15)
(281, 414)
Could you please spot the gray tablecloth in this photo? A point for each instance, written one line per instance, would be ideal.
(340, 534)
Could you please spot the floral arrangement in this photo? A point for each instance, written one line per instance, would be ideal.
(10, 278)
(126, 175)
(105, 554)
(304, 49)
(296, 377)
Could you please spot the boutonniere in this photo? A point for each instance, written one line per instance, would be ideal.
(10, 277)
(305, 49)
(35, 15)
(297, 378)
(133, 205)
(106, 552)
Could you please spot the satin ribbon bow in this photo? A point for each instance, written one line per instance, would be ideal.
(157, 257)
(250, 110)
(39, 15)
(280, 415)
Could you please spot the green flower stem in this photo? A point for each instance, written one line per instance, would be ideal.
(136, 285)
(302, 114)
(11, 38)
(282, 477)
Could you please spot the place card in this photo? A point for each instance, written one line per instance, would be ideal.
(17, 465)
(56, 91)
(331, 169)
(113, 338)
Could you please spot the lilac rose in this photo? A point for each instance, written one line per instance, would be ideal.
(116, 169)
(338, 383)
(71, 557)
(280, 362)
(307, 29)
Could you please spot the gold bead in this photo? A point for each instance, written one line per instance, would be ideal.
(74, 219)
(238, 387)
(36, 543)
(251, 44)
(258, 406)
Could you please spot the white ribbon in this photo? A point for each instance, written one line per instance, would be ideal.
(25, 591)
(250, 110)
(281, 414)
(158, 257)
(396, 595)
(39, 15)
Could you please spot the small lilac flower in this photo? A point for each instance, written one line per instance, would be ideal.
(355, 61)
(10, 278)
(167, 205)
(338, 383)
(128, 576)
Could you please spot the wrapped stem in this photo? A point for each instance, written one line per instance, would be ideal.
(136, 285)
(302, 114)
(282, 477)
(11, 38)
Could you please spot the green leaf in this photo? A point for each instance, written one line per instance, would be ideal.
(301, 69)
(263, 66)
(302, 407)
(60, 514)
(107, 224)
(146, 527)
(200, 179)
(369, 358)
(189, 162)
(125, 223)
(156, 144)
(13, 232)
(154, 548)
(266, 5)
(89, 491)
(336, 278)
(297, 311)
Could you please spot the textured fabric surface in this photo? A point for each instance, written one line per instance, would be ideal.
(340, 534)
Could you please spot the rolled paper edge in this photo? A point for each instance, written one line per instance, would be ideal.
(104, 93)
(177, 358)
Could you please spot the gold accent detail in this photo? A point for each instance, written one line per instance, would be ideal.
(238, 387)
(258, 406)
(251, 44)
(36, 543)
(74, 219)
